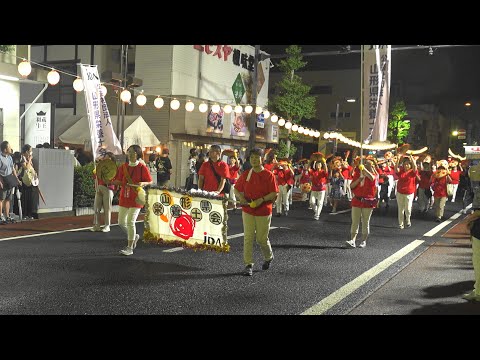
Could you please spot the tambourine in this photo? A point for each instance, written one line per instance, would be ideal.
(106, 170)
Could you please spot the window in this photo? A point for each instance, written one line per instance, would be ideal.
(333, 115)
(321, 90)
(347, 115)
(62, 95)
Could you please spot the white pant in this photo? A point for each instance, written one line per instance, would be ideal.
(404, 203)
(364, 214)
(126, 220)
(316, 201)
(455, 188)
(347, 189)
(103, 199)
(256, 227)
(282, 199)
(391, 184)
(232, 197)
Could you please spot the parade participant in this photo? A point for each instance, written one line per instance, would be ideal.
(364, 188)
(256, 189)
(319, 176)
(336, 189)
(270, 160)
(424, 192)
(439, 181)
(347, 176)
(285, 178)
(405, 189)
(130, 177)
(305, 178)
(214, 172)
(104, 195)
(455, 176)
(233, 169)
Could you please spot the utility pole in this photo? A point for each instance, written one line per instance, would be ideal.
(253, 115)
(336, 128)
(125, 70)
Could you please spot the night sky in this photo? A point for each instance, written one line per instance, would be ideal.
(447, 78)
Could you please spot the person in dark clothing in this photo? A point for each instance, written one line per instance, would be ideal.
(200, 161)
(246, 165)
(164, 168)
(82, 157)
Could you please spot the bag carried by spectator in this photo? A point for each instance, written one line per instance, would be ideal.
(9, 182)
(227, 186)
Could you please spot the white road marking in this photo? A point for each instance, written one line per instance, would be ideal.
(337, 296)
(440, 226)
(341, 212)
(52, 232)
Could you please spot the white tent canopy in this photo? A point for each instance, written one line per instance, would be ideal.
(137, 132)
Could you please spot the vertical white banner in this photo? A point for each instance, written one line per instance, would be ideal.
(102, 136)
(372, 87)
(37, 123)
(381, 123)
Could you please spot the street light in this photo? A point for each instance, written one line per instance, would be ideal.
(455, 133)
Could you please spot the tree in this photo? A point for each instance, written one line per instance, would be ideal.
(7, 48)
(293, 101)
(398, 128)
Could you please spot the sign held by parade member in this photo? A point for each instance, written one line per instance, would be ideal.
(195, 220)
(102, 136)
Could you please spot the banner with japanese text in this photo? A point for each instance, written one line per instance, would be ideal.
(238, 124)
(103, 138)
(185, 219)
(376, 90)
(38, 123)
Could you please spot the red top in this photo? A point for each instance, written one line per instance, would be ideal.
(368, 190)
(305, 178)
(347, 172)
(269, 166)
(139, 173)
(233, 170)
(439, 187)
(388, 170)
(425, 179)
(284, 176)
(319, 180)
(101, 182)
(406, 182)
(260, 184)
(380, 177)
(455, 175)
(210, 182)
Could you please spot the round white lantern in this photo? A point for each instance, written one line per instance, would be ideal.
(266, 114)
(53, 77)
(248, 109)
(24, 68)
(203, 107)
(174, 104)
(294, 127)
(274, 118)
(78, 85)
(215, 108)
(125, 95)
(238, 109)
(281, 121)
(189, 106)
(227, 109)
(258, 110)
(288, 125)
(141, 99)
(158, 102)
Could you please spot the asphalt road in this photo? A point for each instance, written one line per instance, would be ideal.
(313, 273)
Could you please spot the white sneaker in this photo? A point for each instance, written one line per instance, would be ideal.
(96, 228)
(126, 251)
(471, 296)
(106, 229)
(351, 243)
(362, 244)
(316, 218)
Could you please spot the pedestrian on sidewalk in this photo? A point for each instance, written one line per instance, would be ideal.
(474, 225)
(364, 188)
(129, 177)
(103, 200)
(256, 190)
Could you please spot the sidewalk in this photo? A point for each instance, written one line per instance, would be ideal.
(40, 226)
(432, 284)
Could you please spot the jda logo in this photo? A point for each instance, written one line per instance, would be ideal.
(210, 240)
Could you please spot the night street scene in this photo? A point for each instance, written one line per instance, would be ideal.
(239, 180)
